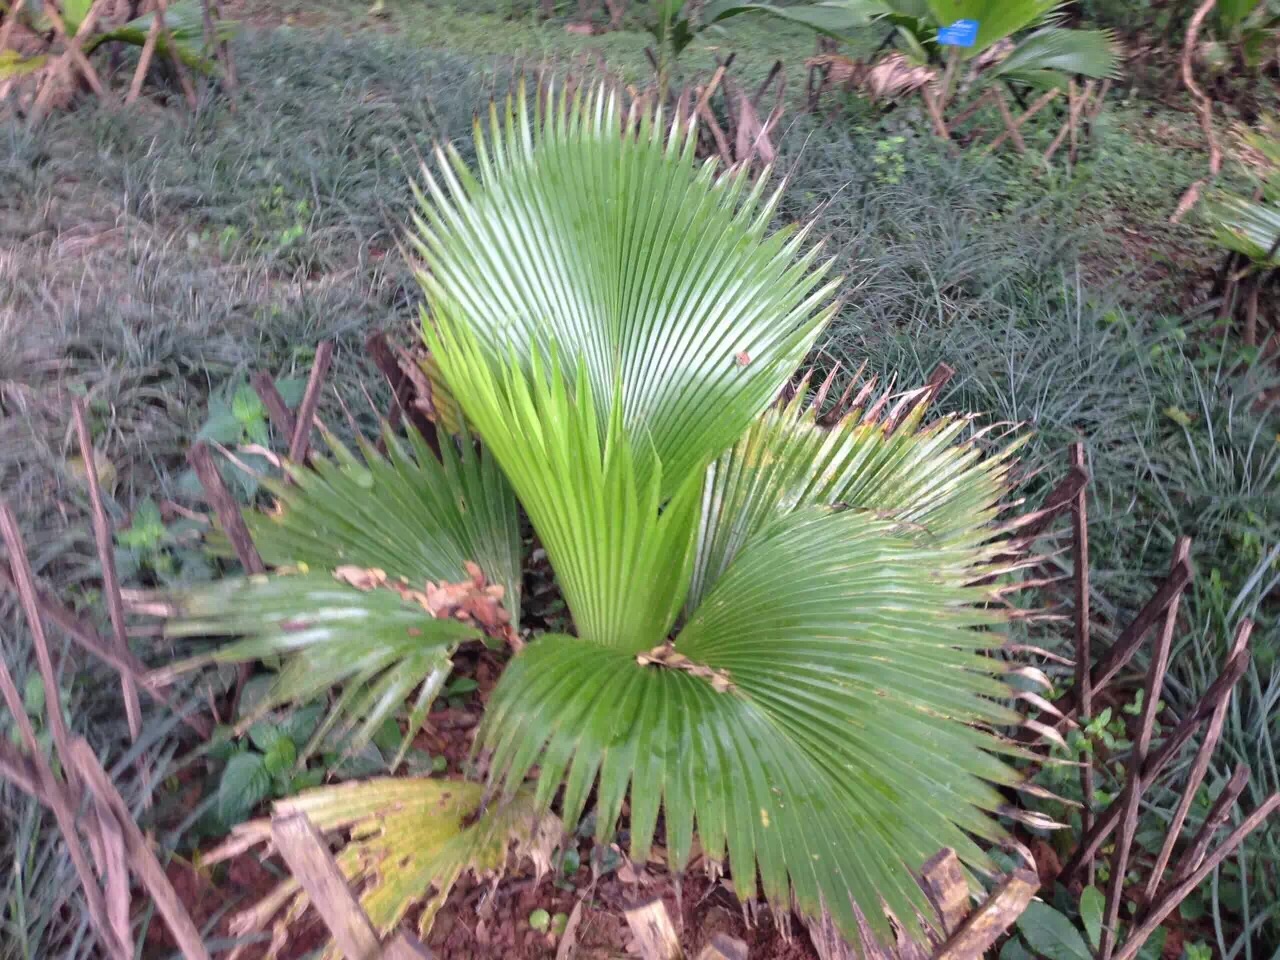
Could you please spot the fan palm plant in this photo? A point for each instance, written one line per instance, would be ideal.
(779, 641)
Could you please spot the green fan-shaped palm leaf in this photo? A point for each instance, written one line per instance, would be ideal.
(997, 19)
(409, 512)
(821, 721)
(620, 554)
(942, 491)
(1247, 227)
(408, 517)
(598, 232)
(614, 321)
(1090, 53)
(376, 645)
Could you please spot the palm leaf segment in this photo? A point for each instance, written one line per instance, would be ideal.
(359, 545)
(823, 713)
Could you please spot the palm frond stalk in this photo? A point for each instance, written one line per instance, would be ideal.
(780, 637)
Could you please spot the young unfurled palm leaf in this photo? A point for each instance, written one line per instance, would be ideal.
(779, 643)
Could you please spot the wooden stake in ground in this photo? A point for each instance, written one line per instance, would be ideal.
(107, 560)
(148, 49)
(1132, 795)
(986, 924)
(62, 808)
(655, 935)
(1198, 769)
(1204, 109)
(313, 866)
(1084, 654)
(301, 441)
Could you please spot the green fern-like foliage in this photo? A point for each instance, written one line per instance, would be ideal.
(780, 641)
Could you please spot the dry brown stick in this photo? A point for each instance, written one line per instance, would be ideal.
(1084, 654)
(1215, 818)
(972, 108)
(1251, 314)
(1199, 767)
(226, 509)
(1132, 794)
(7, 30)
(21, 568)
(1060, 497)
(943, 881)
(21, 772)
(72, 44)
(229, 78)
(402, 390)
(1130, 639)
(935, 114)
(1010, 127)
(313, 866)
(144, 60)
(653, 931)
(1176, 894)
(92, 642)
(62, 810)
(180, 68)
(985, 925)
(310, 400)
(107, 560)
(141, 858)
(1204, 109)
(1037, 105)
(1073, 119)
(1082, 101)
(281, 417)
(1092, 842)
(717, 134)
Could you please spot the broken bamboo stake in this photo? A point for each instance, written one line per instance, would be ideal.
(301, 440)
(654, 933)
(1130, 639)
(1092, 842)
(1084, 655)
(107, 560)
(140, 855)
(1131, 797)
(225, 508)
(1198, 769)
(986, 924)
(62, 809)
(313, 866)
(1180, 891)
(277, 410)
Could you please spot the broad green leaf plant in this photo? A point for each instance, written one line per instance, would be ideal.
(1023, 40)
(781, 640)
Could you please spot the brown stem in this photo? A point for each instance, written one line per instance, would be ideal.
(107, 560)
(310, 400)
(1084, 655)
(1198, 769)
(1176, 894)
(1132, 795)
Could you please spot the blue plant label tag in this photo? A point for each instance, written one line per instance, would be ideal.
(962, 33)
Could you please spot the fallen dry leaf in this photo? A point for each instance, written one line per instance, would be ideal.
(668, 656)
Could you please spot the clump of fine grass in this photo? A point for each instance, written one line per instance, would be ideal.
(947, 264)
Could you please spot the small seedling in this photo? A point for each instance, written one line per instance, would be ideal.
(540, 920)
